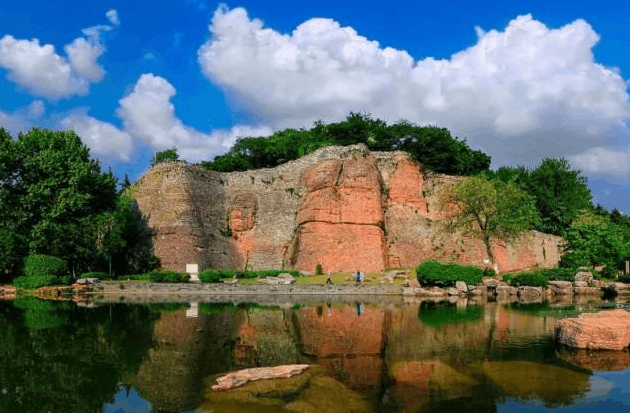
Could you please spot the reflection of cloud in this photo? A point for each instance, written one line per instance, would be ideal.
(600, 388)
(125, 403)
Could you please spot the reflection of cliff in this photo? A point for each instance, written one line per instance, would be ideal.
(348, 345)
(411, 339)
(343, 207)
(185, 350)
(266, 338)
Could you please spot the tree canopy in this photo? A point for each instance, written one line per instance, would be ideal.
(559, 192)
(432, 146)
(488, 209)
(164, 156)
(594, 239)
(54, 200)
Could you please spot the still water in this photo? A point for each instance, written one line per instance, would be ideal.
(370, 357)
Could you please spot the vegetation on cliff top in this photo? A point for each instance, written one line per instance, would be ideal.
(432, 146)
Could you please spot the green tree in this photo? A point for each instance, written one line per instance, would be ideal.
(488, 209)
(164, 156)
(594, 240)
(434, 147)
(559, 192)
(51, 195)
(125, 240)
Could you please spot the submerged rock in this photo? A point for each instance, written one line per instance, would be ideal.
(525, 380)
(239, 378)
(310, 391)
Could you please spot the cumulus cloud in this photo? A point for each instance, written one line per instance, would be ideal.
(45, 73)
(149, 115)
(22, 119)
(604, 161)
(103, 138)
(519, 94)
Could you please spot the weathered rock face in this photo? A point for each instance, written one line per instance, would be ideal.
(345, 208)
(606, 330)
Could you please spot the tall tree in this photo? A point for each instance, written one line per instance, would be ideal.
(52, 193)
(593, 240)
(488, 210)
(560, 194)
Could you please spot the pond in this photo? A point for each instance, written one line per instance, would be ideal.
(389, 356)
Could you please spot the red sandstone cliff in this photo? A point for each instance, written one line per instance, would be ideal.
(344, 207)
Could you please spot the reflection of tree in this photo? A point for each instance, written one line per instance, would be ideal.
(70, 362)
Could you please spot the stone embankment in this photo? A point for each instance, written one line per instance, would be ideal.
(582, 285)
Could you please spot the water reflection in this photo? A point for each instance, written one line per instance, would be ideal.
(429, 356)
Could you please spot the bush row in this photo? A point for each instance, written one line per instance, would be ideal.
(211, 275)
(434, 273)
(36, 281)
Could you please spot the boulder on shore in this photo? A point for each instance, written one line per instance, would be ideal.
(606, 330)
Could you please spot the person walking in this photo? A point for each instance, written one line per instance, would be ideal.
(328, 277)
(358, 277)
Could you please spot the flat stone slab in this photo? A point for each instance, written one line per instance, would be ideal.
(606, 330)
(239, 378)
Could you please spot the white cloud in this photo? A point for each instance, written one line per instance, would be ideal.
(112, 16)
(36, 109)
(44, 73)
(103, 139)
(22, 119)
(149, 116)
(519, 94)
(604, 161)
(82, 55)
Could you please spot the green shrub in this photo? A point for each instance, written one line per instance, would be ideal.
(560, 274)
(41, 265)
(35, 281)
(624, 279)
(531, 279)
(318, 269)
(210, 276)
(167, 276)
(433, 273)
(134, 277)
(95, 274)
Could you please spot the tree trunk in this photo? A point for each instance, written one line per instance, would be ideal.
(486, 241)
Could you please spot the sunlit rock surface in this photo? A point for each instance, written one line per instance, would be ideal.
(306, 392)
(606, 330)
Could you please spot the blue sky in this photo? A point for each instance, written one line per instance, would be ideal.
(519, 80)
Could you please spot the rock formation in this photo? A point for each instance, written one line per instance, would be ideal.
(345, 208)
(606, 330)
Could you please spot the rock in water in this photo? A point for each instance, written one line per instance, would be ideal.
(606, 330)
(238, 378)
